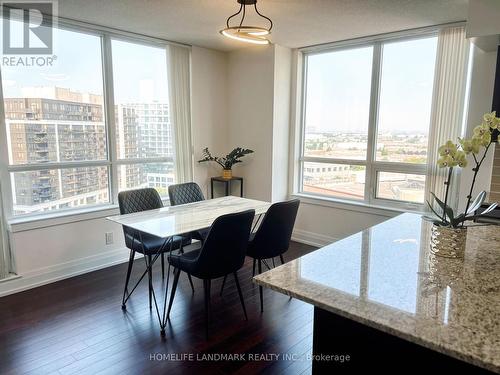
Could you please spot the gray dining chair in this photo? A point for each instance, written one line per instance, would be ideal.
(139, 200)
(188, 192)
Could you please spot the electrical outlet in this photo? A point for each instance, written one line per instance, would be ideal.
(109, 238)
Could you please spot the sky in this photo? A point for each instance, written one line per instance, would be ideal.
(339, 84)
(139, 71)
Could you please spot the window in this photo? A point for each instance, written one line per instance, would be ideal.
(366, 118)
(67, 146)
(144, 134)
(56, 131)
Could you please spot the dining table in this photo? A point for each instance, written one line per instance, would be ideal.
(181, 220)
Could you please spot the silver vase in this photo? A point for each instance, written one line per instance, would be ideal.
(448, 242)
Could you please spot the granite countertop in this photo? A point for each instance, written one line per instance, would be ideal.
(386, 278)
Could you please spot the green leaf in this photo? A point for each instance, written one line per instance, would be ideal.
(477, 202)
(459, 219)
(434, 211)
(490, 208)
(472, 217)
(463, 217)
(229, 160)
(431, 219)
(446, 209)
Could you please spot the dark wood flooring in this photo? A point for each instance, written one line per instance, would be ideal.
(76, 326)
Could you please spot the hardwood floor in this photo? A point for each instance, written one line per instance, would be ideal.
(76, 326)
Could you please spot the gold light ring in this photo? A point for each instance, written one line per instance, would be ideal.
(250, 34)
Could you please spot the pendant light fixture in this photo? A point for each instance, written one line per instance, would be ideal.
(247, 33)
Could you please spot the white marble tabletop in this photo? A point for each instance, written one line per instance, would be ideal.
(173, 220)
(386, 278)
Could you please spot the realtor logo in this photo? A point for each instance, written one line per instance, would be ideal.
(27, 27)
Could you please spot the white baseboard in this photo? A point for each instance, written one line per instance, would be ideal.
(311, 238)
(62, 271)
(77, 267)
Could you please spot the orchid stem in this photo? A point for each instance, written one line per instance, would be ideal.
(476, 171)
(447, 183)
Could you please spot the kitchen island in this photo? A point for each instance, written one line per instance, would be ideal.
(382, 300)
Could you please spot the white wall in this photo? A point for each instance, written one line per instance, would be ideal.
(320, 225)
(250, 116)
(209, 115)
(281, 121)
(259, 117)
(62, 250)
(56, 252)
(482, 23)
(481, 97)
(483, 18)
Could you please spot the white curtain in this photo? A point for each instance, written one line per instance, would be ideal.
(179, 82)
(4, 243)
(448, 104)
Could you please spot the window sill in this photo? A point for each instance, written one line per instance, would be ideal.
(22, 224)
(50, 219)
(352, 206)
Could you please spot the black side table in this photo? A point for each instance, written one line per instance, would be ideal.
(227, 183)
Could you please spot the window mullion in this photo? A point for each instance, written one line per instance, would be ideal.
(109, 105)
(370, 178)
(59, 165)
(6, 188)
(166, 159)
(400, 167)
(313, 159)
(303, 103)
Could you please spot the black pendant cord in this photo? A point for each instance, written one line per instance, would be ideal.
(267, 18)
(243, 8)
(243, 17)
(234, 15)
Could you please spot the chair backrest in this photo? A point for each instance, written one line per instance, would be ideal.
(138, 200)
(224, 249)
(188, 192)
(273, 235)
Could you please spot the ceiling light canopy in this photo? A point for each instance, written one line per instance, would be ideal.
(247, 33)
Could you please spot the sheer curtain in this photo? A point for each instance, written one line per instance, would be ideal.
(4, 242)
(448, 103)
(179, 82)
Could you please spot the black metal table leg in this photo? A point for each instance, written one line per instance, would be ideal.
(129, 271)
(162, 265)
(163, 322)
(149, 265)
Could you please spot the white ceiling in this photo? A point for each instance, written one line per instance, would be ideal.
(297, 23)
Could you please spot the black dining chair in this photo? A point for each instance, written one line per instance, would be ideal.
(272, 238)
(222, 253)
(188, 192)
(139, 200)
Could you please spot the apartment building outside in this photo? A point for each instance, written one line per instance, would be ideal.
(52, 124)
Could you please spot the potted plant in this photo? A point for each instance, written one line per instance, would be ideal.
(449, 231)
(226, 162)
